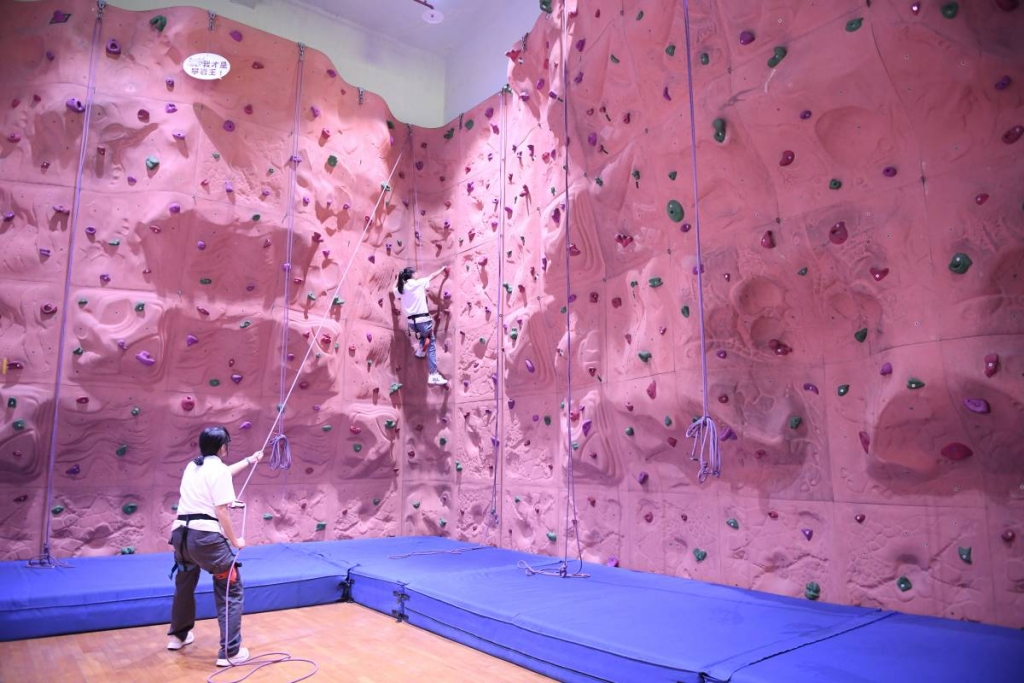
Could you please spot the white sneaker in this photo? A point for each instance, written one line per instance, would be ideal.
(421, 354)
(175, 644)
(436, 379)
(243, 655)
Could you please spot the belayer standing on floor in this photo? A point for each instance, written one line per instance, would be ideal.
(412, 293)
(200, 537)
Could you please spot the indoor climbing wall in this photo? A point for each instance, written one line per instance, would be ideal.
(862, 232)
(214, 221)
(862, 235)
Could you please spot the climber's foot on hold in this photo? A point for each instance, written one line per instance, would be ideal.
(420, 353)
(436, 379)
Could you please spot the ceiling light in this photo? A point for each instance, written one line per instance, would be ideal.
(432, 16)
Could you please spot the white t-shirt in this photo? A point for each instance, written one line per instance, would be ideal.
(414, 298)
(202, 490)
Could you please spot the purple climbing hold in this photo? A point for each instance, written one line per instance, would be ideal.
(530, 366)
(50, 55)
(169, 82)
(122, 344)
(170, 107)
(190, 340)
(228, 187)
(642, 477)
(245, 425)
(587, 424)
(8, 216)
(90, 231)
(721, 354)
(664, 93)
(178, 135)
(788, 157)
(811, 388)
(44, 252)
(889, 171)
(315, 110)
(229, 125)
(746, 37)
(75, 105)
(592, 139)
(805, 114)
(236, 378)
(174, 208)
(113, 47)
(886, 369)
(201, 245)
(59, 17)
(1003, 83)
(104, 277)
(73, 470)
(144, 358)
(13, 137)
(808, 533)
(977, 405)
(237, 36)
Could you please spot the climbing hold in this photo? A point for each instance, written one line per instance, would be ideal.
(778, 55)
(668, 421)
(960, 263)
(552, 536)
(991, 364)
(395, 386)
(699, 554)
(443, 441)
(787, 158)
(746, 37)
(458, 466)
(685, 311)
(956, 451)
(719, 125)
(965, 554)
(670, 50)
(672, 175)
(644, 356)
(732, 523)
(75, 105)
(206, 281)
(859, 518)
(629, 431)
(914, 383)
(48, 308)
(121, 451)
(18, 425)
(236, 35)
(879, 273)
(705, 59)
(129, 508)
(980, 199)
(808, 533)
(614, 59)
(812, 591)
(244, 324)
(768, 240)
(188, 403)
(267, 516)
(949, 10)
(977, 405)
(57, 509)
(356, 447)
(78, 351)
(332, 161)
(113, 47)
(1013, 135)
(320, 526)
(889, 171)
(861, 334)
(135, 411)
(854, 24)
(838, 233)
(228, 126)
(159, 22)
(675, 210)
(886, 369)
(145, 358)
(903, 583)
(1008, 536)
(642, 477)
(114, 243)
(835, 184)
(795, 421)
(655, 282)
(214, 382)
(865, 441)
(547, 420)
(1003, 83)
(843, 389)
(140, 307)
(12, 402)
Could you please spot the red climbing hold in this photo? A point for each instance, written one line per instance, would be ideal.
(957, 451)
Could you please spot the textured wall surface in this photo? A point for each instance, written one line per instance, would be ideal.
(862, 224)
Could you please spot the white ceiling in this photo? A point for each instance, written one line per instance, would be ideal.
(402, 20)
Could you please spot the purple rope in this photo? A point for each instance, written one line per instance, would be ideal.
(704, 431)
(45, 559)
(499, 414)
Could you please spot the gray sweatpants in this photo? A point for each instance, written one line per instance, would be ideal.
(210, 551)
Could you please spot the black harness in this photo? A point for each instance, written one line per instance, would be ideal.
(184, 536)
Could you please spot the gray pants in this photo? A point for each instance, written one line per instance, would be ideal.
(423, 328)
(195, 550)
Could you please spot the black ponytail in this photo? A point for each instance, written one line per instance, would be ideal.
(404, 277)
(210, 442)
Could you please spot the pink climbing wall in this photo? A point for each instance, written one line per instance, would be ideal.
(862, 235)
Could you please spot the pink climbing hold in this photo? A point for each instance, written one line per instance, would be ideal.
(991, 364)
(247, 109)
(980, 198)
(530, 367)
(245, 425)
(977, 405)
(652, 389)
(188, 403)
(957, 451)
(642, 477)
(174, 208)
(48, 309)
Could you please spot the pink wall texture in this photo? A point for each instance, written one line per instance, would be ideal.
(862, 227)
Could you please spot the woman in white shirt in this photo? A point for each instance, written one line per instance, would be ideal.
(412, 293)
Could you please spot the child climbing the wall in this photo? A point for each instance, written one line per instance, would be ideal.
(200, 537)
(412, 293)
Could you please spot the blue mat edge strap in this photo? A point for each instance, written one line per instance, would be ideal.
(723, 671)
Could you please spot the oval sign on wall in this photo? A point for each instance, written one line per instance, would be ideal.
(206, 66)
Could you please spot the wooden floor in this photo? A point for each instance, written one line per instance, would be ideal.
(352, 644)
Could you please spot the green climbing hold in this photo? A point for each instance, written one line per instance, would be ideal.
(675, 210)
(206, 281)
(599, 181)
(719, 125)
(356, 447)
(615, 60)
(267, 516)
(700, 555)
(78, 351)
(129, 508)
(443, 441)
(256, 218)
(214, 382)
(575, 446)
(903, 583)
(128, 550)
(376, 501)
(458, 466)
(442, 521)
(135, 411)
(244, 324)
(385, 187)
(812, 591)
(950, 9)
(640, 15)
(395, 386)
(960, 263)
(670, 50)
(630, 431)
(547, 420)
(83, 302)
(468, 125)
(914, 383)
(644, 355)
(802, 272)
(18, 425)
(705, 59)
(391, 124)
(270, 171)
(159, 22)
(338, 301)
(114, 243)
(835, 184)
(140, 307)
(449, 134)
(633, 283)
(563, 310)
(685, 310)
(655, 282)
(507, 287)
(733, 523)
(122, 450)
(326, 428)
(672, 175)
(415, 505)
(152, 162)
(795, 422)
(843, 389)
(390, 424)
(668, 421)
(854, 24)
(513, 334)
(861, 334)
(320, 526)
(778, 55)
(57, 509)
(545, 6)
(517, 499)
(552, 536)
(216, 155)
(311, 296)
(965, 554)
(12, 402)
(636, 175)
(332, 161)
